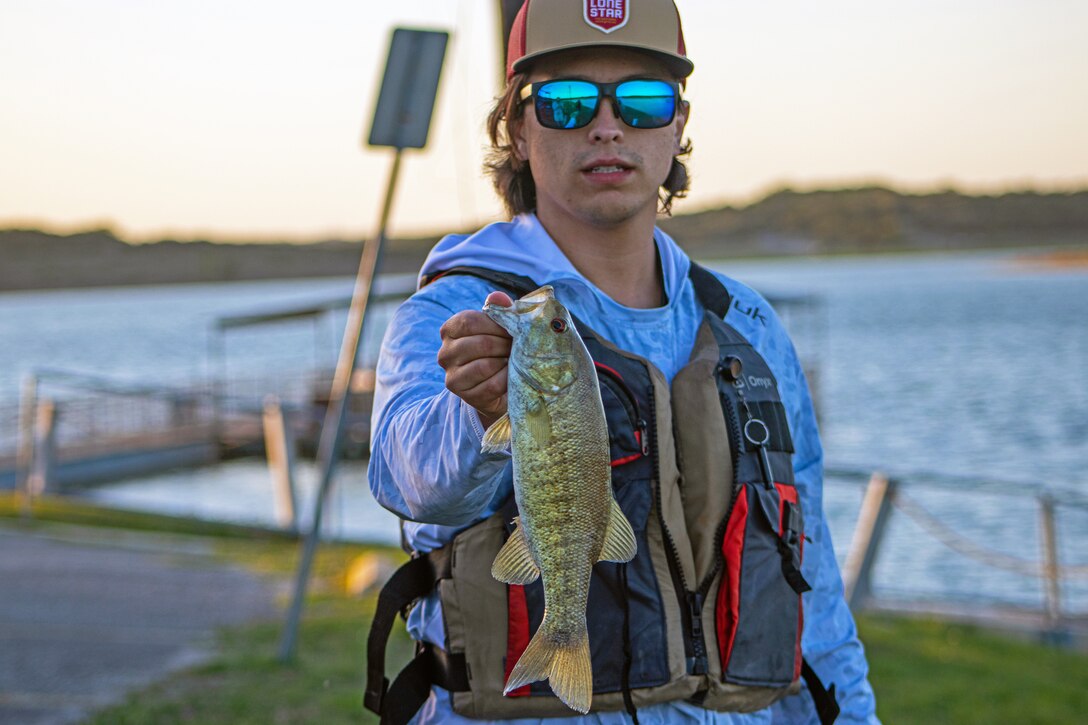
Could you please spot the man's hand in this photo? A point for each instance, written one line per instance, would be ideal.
(475, 352)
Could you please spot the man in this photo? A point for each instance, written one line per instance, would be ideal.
(587, 141)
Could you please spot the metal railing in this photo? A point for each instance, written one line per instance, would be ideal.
(64, 415)
(885, 495)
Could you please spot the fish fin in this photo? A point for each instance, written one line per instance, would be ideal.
(619, 538)
(514, 563)
(539, 423)
(566, 667)
(497, 437)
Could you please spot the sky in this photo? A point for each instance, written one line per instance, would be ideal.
(246, 120)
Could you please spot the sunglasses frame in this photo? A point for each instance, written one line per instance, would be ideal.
(605, 91)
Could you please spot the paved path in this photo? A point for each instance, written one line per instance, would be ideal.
(86, 615)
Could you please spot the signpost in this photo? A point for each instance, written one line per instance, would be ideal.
(402, 119)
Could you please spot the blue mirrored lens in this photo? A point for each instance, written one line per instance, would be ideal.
(566, 104)
(646, 104)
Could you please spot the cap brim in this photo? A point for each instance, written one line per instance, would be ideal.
(678, 64)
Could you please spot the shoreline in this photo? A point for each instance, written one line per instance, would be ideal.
(1052, 256)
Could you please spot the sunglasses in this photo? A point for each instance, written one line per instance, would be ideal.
(569, 104)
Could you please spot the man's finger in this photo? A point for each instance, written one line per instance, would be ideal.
(489, 397)
(468, 323)
(466, 377)
(457, 351)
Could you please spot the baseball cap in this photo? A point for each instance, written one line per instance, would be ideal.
(543, 27)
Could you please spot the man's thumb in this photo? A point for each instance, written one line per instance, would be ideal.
(499, 298)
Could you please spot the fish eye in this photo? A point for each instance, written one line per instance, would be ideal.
(559, 324)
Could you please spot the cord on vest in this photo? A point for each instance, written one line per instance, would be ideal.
(628, 703)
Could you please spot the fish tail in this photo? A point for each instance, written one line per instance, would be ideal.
(566, 666)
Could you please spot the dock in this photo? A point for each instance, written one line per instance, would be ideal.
(76, 430)
(73, 429)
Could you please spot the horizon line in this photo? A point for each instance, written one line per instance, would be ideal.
(199, 234)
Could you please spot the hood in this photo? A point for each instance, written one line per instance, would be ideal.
(522, 246)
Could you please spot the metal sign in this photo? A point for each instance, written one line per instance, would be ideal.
(406, 102)
(401, 120)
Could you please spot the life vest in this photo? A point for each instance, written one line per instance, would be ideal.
(708, 611)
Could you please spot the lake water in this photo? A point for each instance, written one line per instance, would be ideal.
(969, 367)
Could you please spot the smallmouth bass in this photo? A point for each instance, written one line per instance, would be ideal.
(568, 518)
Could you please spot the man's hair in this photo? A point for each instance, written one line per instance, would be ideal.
(512, 176)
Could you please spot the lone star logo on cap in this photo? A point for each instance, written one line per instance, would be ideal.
(605, 15)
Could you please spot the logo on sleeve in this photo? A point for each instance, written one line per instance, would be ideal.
(605, 15)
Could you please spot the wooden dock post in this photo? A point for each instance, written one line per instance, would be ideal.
(280, 448)
(1051, 570)
(868, 534)
(28, 404)
(45, 450)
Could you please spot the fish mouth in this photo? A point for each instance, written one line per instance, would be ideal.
(547, 292)
(534, 300)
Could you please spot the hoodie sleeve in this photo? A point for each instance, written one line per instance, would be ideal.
(829, 641)
(425, 460)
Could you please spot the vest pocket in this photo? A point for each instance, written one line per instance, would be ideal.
(758, 610)
(627, 429)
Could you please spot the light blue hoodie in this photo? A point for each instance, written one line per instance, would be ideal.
(426, 465)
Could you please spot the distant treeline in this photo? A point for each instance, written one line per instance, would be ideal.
(864, 220)
(32, 259)
(874, 219)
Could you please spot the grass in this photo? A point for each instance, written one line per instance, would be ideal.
(247, 684)
(69, 511)
(923, 671)
(927, 671)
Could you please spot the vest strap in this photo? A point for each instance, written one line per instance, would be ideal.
(431, 665)
(710, 291)
(827, 709)
(415, 579)
(790, 570)
(517, 283)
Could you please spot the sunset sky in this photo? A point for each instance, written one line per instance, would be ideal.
(239, 119)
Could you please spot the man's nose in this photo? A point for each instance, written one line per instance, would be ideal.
(606, 126)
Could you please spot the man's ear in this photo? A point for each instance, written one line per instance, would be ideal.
(682, 113)
(517, 140)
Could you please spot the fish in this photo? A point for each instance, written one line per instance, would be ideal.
(568, 518)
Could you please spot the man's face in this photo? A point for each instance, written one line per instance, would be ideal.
(607, 172)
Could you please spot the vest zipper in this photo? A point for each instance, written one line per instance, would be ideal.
(735, 443)
(645, 439)
(691, 602)
(697, 599)
(699, 664)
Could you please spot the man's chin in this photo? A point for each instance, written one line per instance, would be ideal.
(610, 213)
